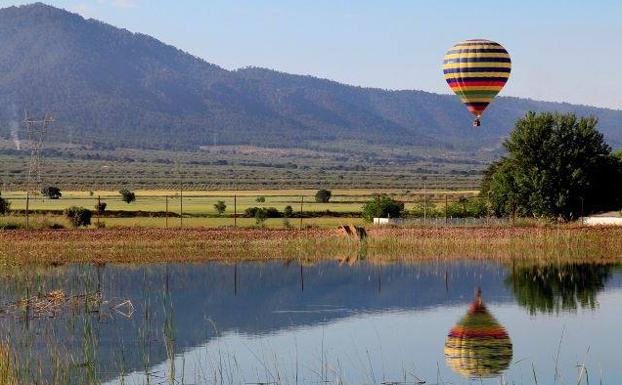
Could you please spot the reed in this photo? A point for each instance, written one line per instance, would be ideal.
(550, 243)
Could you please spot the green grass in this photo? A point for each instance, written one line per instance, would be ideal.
(202, 202)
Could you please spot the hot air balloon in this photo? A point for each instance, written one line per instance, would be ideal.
(478, 346)
(476, 70)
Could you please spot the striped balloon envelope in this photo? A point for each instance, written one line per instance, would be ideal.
(476, 70)
(478, 346)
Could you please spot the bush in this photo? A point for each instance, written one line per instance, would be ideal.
(270, 212)
(5, 206)
(261, 215)
(260, 199)
(52, 192)
(127, 196)
(288, 212)
(382, 206)
(220, 207)
(78, 216)
(100, 207)
(323, 196)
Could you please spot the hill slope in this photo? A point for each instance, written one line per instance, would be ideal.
(109, 86)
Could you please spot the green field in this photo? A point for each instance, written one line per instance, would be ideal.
(201, 203)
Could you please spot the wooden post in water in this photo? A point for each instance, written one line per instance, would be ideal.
(302, 200)
(27, 202)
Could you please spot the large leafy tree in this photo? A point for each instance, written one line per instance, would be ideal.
(557, 166)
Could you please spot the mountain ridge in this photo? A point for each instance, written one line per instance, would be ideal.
(111, 86)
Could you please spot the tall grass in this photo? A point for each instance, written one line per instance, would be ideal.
(540, 243)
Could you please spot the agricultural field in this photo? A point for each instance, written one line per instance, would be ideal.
(214, 168)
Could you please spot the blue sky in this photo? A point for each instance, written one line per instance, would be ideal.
(561, 50)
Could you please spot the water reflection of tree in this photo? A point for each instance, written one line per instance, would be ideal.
(555, 288)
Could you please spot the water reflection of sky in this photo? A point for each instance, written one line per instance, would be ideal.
(361, 324)
(372, 348)
(407, 345)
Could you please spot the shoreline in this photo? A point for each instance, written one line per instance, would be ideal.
(538, 244)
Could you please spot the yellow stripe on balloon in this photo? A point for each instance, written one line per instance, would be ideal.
(477, 64)
(460, 75)
(482, 54)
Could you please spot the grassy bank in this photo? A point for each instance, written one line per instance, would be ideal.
(536, 243)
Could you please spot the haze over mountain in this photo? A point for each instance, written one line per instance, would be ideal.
(108, 86)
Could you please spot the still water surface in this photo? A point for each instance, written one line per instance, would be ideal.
(325, 323)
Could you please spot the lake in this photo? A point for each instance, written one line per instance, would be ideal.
(276, 323)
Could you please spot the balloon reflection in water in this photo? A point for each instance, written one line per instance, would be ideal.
(478, 346)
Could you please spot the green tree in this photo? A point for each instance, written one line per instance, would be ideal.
(78, 216)
(323, 196)
(382, 206)
(260, 199)
(5, 206)
(52, 192)
(220, 207)
(127, 196)
(557, 165)
(288, 212)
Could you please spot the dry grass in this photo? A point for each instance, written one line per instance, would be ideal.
(141, 245)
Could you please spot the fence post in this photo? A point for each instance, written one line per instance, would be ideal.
(235, 211)
(27, 203)
(302, 200)
(99, 208)
(181, 203)
(446, 208)
(166, 212)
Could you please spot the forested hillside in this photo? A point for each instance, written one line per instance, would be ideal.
(110, 87)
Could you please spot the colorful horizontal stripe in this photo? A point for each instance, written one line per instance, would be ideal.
(478, 346)
(476, 70)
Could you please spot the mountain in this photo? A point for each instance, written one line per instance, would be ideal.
(107, 86)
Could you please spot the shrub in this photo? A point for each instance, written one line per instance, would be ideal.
(270, 212)
(78, 216)
(5, 206)
(288, 212)
(220, 207)
(52, 192)
(323, 196)
(100, 207)
(127, 196)
(261, 215)
(260, 199)
(382, 206)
